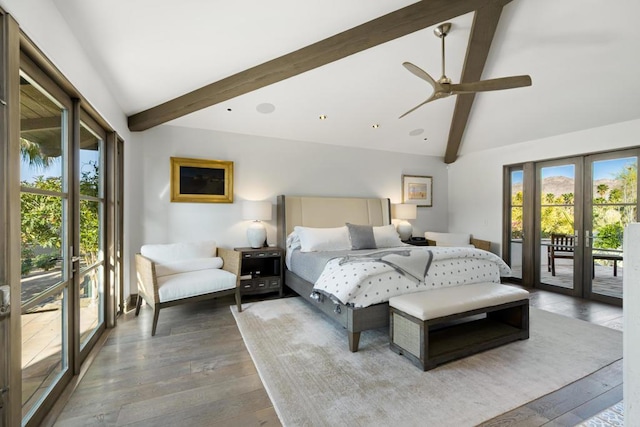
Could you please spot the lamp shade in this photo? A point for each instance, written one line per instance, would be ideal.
(256, 210)
(406, 211)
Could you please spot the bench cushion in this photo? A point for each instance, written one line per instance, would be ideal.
(442, 302)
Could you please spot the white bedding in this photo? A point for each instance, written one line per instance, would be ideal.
(361, 283)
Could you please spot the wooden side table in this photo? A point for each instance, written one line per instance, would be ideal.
(261, 270)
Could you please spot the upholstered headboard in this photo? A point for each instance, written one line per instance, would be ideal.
(329, 212)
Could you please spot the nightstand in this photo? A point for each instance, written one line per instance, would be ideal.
(261, 270)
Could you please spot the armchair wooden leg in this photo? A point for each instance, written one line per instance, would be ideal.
(156, 314)
(239, 300)
(138, 304)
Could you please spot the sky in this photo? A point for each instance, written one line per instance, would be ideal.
(27, 173)
(604, 169)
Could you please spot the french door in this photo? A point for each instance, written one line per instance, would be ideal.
(62, 210)
(611, 202)
(559, 227)
(575, 209)
(60, 229)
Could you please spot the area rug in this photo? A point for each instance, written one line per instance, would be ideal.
(313, 379)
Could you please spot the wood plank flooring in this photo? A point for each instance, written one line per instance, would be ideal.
(196, 371)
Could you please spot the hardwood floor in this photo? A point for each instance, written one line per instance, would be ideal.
(196, 371)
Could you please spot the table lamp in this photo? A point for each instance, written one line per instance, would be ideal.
(257, 211)
(403, 212)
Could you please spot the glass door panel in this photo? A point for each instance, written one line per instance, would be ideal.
(91, 218)
(517, 231)
(557, 237)
(614, 189)
(44, 238)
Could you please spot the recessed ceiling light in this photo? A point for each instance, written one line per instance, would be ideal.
(416, 132)
(266, 108)
(229, 109)
(322, 117)
(375, 126)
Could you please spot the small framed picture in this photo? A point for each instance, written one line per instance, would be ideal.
(201, 181)
(417, 190)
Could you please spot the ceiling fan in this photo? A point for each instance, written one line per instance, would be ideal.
(443, 87)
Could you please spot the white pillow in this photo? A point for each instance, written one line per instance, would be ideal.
(188, 265)
(386, 236)
(450, 239)
(165, 253)
(323, 239)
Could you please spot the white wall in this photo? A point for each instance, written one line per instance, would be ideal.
(631, 351)
(475, 180)
(263, 169)
(41, 21)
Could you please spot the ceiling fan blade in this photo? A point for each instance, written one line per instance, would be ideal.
(492, 84)
(431, 98)
(420, 73)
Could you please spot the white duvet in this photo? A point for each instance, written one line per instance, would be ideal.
(361, 283)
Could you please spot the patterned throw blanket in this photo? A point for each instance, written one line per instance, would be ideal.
(361, 280)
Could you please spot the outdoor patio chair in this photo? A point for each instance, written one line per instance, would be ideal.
(561, 247)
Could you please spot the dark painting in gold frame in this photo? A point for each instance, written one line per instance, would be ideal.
(201, 181)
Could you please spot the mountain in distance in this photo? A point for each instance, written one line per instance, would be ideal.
(559, 185)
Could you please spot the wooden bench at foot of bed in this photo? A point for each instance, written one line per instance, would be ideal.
(430, 327)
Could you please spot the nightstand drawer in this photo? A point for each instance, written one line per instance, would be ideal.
(262, 254)
(260, 284)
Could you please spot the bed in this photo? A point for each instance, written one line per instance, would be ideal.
(359, 311)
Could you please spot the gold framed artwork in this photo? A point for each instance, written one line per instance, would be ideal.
(417, 190)
(201, 181)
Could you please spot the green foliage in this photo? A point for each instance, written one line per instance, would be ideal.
(42, 218)
(609, 236)
(26, 261)
(46, 261)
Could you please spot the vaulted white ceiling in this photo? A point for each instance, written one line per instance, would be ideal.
(582, 56)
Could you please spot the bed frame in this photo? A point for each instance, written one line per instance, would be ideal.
(334, 212)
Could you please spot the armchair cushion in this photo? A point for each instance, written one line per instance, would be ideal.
(167, 253)
(449, 239)
(194, 283)
(188, 265)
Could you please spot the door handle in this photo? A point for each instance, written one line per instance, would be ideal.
(588, 238)
(5, 301)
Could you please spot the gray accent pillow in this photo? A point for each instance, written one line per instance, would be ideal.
(361, 236)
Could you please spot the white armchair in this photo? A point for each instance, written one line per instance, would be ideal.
(171, 274)
(456, 239)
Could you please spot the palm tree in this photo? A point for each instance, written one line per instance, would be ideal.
(30, 152)
(602, 189)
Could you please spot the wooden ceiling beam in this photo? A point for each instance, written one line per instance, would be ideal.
(483, 29)
(389, 27)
